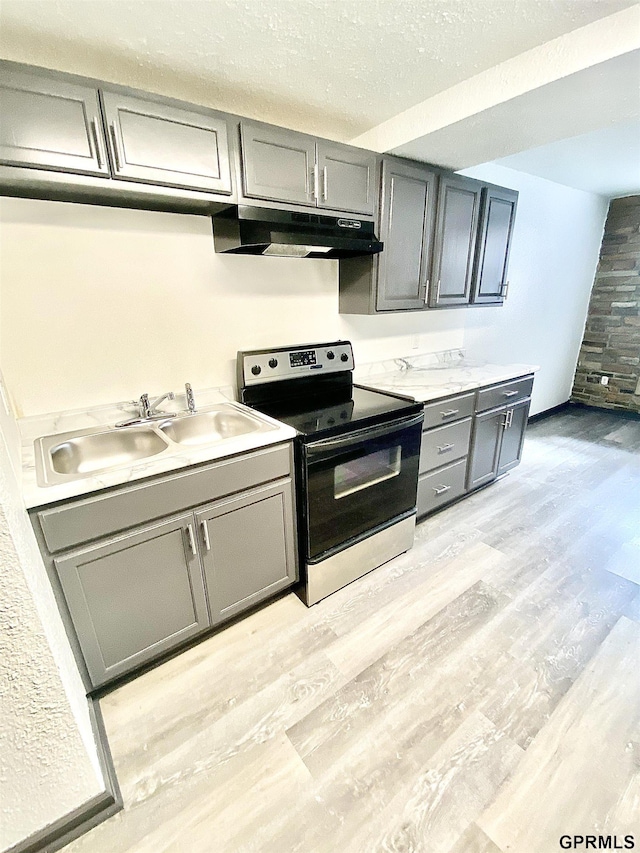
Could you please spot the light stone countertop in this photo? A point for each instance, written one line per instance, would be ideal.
(432, 376)
(172, 459)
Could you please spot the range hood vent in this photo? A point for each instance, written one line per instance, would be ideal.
(248, 230)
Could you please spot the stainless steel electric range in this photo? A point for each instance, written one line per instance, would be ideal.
(357, 454)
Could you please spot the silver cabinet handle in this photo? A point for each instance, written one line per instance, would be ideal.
(444, 448)
(325, 184)
(191, 540)
(95, 130)
(449, 413)
(315, 190)
(116, 149)
(440, 490)
(504, 289)
(426, 292)
(509, 417)
(205, 536)
(509, 393)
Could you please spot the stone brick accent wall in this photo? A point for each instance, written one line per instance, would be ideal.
(611, 343)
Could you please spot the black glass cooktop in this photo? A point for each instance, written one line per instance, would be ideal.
(353, 408)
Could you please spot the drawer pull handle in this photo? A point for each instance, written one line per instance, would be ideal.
(449, 413)
(444, 448)
(205, 536)
(191, 540)
(440, 490)
(509, 393)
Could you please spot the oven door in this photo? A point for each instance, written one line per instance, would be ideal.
(358, 482)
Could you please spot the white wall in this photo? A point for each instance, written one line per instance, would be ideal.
(556, 244)
(101, 304)
(48, 759)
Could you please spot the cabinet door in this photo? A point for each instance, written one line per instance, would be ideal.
(485, 447)
(406, 225)
(277, 164)
(513, 436)
(455, 241)
(346, 178)
(248, 547)
(134, 597)
(161, 144)
(498, 217)
(46, 123)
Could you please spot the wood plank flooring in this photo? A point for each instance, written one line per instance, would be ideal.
(480, 694)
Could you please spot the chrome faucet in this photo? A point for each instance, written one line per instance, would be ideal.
(191, 403)
(148, 410)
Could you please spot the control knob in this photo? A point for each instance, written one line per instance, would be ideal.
(273, 362)
(331, 355)
(344, 357)
(256, 369)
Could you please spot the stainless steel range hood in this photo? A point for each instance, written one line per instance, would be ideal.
(248, 230)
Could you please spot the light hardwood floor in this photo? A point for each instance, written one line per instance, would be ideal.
(479, 694)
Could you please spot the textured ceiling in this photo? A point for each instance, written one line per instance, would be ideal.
(356, 68)
(331, 67)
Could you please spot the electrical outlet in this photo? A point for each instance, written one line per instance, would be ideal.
(604, 380)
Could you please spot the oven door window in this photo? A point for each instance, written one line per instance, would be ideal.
(356, 485)
(362, 473)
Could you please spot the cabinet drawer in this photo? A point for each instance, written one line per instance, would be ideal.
(103, 515)
(444, 444)
(446, 411)
(506, 392)
(441, 486)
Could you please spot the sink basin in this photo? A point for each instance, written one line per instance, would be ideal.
(88, 454)
(72, 456)
(211, 427)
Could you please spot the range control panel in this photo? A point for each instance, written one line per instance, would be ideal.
(259, 366)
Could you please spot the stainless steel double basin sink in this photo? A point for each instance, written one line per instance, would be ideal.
(84, 453)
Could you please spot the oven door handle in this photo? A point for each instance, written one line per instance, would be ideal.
(368, 433)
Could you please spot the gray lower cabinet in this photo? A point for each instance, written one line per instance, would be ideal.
(49, 123)
(135, 580)
(498, 430)
(248, 549)
(496, 227)
(443, 452)
(470, 439)
(487, 432)
(161, 144)
(513, 436)
(134, 597)
(455, 240)
(286, 166)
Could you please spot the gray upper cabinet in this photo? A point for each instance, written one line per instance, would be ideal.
(48, 123)
(286, 166)
(248, 548)
(406, 226)
(277, 164)
(455, 241)
(497, 220)
(135, 596)
(161, 144)
(346, 178)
